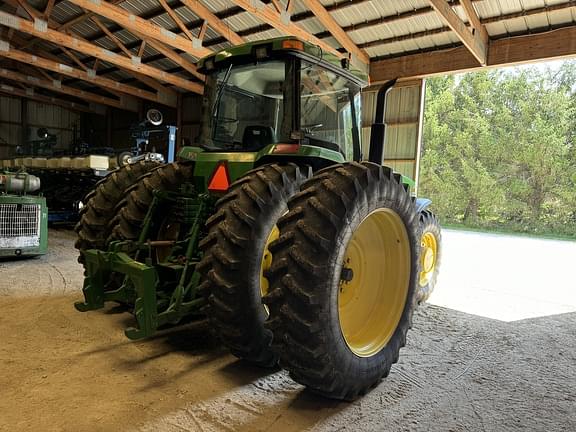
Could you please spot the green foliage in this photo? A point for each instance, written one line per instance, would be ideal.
(499, 149)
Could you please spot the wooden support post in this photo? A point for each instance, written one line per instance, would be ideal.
(23, 121)
(179, 123)
(109, 127)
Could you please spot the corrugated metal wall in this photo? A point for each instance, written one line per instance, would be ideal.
(59, 121)
(403, 126)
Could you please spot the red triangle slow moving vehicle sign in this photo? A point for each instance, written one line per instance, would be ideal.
(220, 181)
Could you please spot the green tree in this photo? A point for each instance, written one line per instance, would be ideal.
(498, 149)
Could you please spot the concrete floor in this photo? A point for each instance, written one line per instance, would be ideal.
(495, 350)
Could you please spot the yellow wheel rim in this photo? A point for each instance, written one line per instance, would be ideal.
(267, 262)
(428, 257)
(375, 281)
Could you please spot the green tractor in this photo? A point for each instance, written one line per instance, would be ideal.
(297, 251)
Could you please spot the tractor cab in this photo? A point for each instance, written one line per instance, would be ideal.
(280, 97)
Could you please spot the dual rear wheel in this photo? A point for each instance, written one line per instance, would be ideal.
(320, 275)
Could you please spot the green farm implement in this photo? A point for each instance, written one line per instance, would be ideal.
(272, 227)
(23, 216)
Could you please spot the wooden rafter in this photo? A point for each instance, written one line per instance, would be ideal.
(134, 23)
(203, 30)
(477, 43)
(167, 52)
(30, 94)
(96, 51)
(111, 36)
(141, 49)
(334, 28)
(268, 14)
(48, 9)
(176, 19)
(83, 17)
(74, 58)
(213, 21)
(503, 52)
(172, 55)
(124, 103)
(474, 19)
(69, 71)
(44, 74)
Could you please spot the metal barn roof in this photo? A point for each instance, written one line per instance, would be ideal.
(378, 31)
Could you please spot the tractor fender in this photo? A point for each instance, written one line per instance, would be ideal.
(422, 204)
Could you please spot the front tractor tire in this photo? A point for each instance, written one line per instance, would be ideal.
(344, 278)
(132, 212)
(236, 256)
(96, 216)
(430, 243)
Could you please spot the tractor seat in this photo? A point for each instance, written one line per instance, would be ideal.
(258, 137)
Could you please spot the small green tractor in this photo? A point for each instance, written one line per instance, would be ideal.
(296, 250)
(23, 216)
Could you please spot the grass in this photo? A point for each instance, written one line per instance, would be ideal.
(510, 231)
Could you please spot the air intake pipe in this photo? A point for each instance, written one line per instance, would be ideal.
(19, 183)
(378, 130)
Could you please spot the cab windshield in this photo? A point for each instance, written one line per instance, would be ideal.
(247, 107)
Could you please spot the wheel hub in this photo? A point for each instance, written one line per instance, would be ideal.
(266, 263)
(429, 254)
(374, 282)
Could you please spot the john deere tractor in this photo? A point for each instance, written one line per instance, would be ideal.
(273, 227)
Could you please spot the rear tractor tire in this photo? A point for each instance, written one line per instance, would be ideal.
(236, 255)
(430, 242)
(96, 216)
(344, 278)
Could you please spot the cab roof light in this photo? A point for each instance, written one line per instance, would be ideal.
(209, 64)
(220, 181)
(261, 52)
(293, 44)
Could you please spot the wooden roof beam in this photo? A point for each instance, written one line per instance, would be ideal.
(167, 52)
(176, 19)
(477, 42)
(30, 94)
(124, 103)
(172, 55)
(543, 46)
(8, 52)
(48, 9)
(39, 30)
(269, 15)
(474, 20)
(336, 30)
(135, 23)
(213, 21)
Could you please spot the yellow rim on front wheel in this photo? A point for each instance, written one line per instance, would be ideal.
(267, 262)
(375, 280)
(428, 257)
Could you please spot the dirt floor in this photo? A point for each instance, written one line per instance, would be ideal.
(62, 370)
